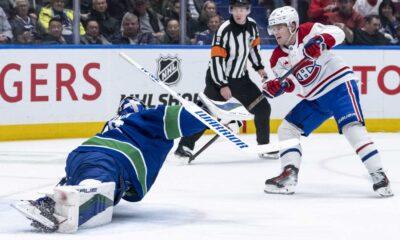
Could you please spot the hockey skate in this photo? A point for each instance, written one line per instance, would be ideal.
(381, 184)
(285, 183)
(183, 152)
(40, 212)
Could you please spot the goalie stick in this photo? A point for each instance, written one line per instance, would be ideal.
(251, 106)
(204, 147)
(211, 122)
(227, 110)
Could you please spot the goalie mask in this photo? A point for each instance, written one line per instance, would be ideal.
(130, 105)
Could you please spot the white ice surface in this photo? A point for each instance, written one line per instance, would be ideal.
(220, 195)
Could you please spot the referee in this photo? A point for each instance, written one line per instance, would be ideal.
(236, 41)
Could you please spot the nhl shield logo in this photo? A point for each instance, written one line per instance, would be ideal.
(169, 70)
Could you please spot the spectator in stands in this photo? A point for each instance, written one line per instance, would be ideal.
(109, 26)
(149, 21)
(193, 10)
(7, 7)
(131, 32)
(346, 18)
(369, 34)
(390, 24)
(208, 9)
(37, 4)
(54, 34)
(86, 6)
(346, 15)
(24, 27)
(206, 37)
(5, 28)
(117, 8)
(193, 7)
(198, 5)
(271, 5)
(302, 8)
(34, 7)
(93, 34)
(319, 10)
(54, 9)
(192, 26)
(172, 33)
(159, 6)
(367, 7)
(24, 37)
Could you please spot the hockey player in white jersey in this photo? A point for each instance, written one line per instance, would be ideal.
(328, 88)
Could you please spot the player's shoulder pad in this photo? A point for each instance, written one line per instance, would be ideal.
(304, 30)
(276, 54)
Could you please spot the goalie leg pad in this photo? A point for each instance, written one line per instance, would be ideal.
(83, 206)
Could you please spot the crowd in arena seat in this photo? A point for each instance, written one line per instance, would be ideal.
(141, 22)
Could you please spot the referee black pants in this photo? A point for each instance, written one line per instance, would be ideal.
(245, 91)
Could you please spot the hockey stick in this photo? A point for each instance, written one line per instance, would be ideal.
(203, 148)
(281, 80)
(250, 107)
(211, 122)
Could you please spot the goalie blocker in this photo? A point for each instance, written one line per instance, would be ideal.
(71, 207)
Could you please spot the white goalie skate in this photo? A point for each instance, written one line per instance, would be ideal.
(285, 183)
(40, 212)
(381, 184)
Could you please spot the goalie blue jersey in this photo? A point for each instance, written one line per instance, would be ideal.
(139, 144)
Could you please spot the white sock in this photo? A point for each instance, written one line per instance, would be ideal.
(358, 138)
(290, 156)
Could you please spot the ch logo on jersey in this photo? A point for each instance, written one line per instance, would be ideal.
(307, 72)
(169, 70)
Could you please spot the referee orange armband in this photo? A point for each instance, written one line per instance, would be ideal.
(217, 51)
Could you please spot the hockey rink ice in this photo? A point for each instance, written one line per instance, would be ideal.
(220, 195)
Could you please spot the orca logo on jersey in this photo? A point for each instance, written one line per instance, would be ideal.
(169, 70)
(307, 72)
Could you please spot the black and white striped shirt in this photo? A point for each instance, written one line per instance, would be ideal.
(232, 45)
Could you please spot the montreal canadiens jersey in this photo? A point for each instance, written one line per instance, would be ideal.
(314, 78)
(140, 143)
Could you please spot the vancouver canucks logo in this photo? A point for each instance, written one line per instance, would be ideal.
(169, 70)
(307, 72)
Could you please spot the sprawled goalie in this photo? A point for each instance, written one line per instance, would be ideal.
(122, 161)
